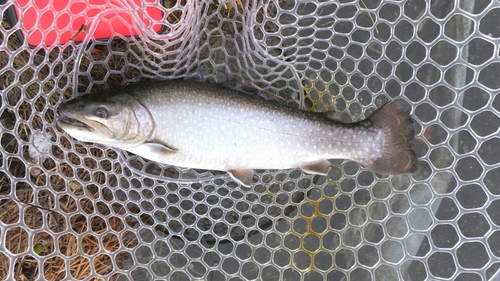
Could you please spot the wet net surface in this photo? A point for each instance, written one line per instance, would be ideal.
(78, 211)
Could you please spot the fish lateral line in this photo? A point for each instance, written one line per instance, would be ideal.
(348, 126)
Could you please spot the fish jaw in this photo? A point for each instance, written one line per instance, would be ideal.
(82, 128)
(68, 123)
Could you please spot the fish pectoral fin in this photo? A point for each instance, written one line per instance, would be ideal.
(158, 148)
(320, 167)
(243, 177)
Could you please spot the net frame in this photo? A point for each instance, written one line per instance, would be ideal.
(97, 213)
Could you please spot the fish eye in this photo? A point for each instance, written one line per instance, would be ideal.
(101, 112)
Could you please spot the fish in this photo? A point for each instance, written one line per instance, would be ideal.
(207, 126)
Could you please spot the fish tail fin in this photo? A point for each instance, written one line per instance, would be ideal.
(397, 155)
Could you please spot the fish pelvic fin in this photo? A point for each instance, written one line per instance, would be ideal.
(320, 167)
(398, 129)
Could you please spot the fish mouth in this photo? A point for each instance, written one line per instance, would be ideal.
(65, 121)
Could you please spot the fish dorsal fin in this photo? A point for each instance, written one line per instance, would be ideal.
(334, 115)
(157, 148)
(320, 167)
(242, 176)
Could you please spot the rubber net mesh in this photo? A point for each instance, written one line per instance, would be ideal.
(79, 211)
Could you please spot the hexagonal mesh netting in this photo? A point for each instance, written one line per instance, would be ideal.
(79, 211)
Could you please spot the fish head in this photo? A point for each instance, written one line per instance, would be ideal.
(117, 120)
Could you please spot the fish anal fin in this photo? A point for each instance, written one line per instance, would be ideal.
(242, 176)
(320, 167)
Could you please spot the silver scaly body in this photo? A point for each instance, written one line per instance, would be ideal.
(223, 130)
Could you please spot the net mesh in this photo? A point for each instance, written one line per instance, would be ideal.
(79, 211)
